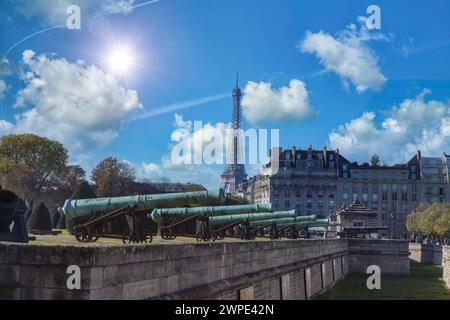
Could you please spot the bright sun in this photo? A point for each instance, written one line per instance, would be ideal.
(121, 60)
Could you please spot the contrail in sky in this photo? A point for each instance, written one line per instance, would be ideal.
(178, 106)
(63, 26)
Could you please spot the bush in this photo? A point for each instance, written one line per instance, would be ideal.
(82, 191)
(40, 219)
(62, 222)
(56, 216)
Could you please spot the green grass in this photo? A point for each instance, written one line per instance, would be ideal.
(424, 283)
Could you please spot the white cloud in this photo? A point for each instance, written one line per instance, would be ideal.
(54, 11)
(414, 125)
(5, 127)
(78, 105)
(262, 103)
(5, 67)
(183, 169)
(117, 6)
(348, 55)
(3, 88)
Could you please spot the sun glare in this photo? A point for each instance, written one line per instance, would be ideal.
(121, 60)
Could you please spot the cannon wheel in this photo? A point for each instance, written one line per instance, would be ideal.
(82, 235)
(199, 236)
(202, 236)
(148, 236)
(168, 234)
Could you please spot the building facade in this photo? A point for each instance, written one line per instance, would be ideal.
(306, 180)
(320, 182)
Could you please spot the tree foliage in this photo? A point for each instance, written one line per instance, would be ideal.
(375, 161)
(432, 220)
(113, 177)
(29, 163)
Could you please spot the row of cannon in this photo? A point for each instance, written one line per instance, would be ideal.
(200, 214)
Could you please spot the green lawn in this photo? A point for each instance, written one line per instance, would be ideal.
(424, 283)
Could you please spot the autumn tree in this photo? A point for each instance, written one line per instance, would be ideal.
(74, 174)
(430, 220)
(113, 177)
(29, 163)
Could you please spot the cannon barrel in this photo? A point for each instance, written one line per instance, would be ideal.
(283, 220)
(306, 224)
(8, 203)
(89, 207)
(157, 214)
(259, 216)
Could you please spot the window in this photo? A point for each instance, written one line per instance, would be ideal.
(374, 197)
(287, 203)
(331, 205)
(365, 197)
(394, 196)
(414, 197)
(309, 204)
(358, 224)
(320, 204)
(441, 191)
(320, 194)
(404, 196)
(345, 195)
(355, 196)
(298, 194)
(384, 196)
(309, 193)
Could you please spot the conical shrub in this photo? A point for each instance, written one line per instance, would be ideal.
(56, 216)
(62, 222)
(82, 191)
(40, 219)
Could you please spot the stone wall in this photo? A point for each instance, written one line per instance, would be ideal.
(390, 255)
(426, 253)
(287, 269)
(446, 264)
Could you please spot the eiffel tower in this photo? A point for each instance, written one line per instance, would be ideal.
(234, 173)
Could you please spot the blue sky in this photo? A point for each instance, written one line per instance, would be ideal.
(191, 49)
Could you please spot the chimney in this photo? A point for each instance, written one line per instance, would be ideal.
(419, 155)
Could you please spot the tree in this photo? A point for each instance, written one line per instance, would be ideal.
(40, 219)
(163, 184)
(74, 174)
(430, 220)
(375, 160)
(29, 163)
(113, 177)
